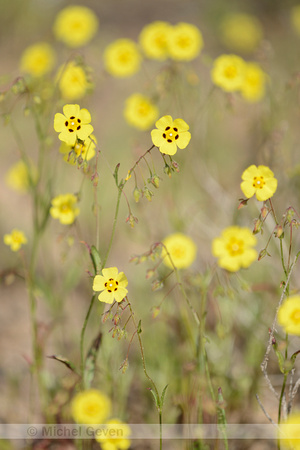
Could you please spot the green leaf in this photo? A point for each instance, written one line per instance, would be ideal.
(139, 327)
(156, 399)
(162, 398)
(65, 361)
(116, 174)
(96, 259)
(90, 361)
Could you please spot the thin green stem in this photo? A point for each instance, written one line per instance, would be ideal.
(114, 226)
(83, 334)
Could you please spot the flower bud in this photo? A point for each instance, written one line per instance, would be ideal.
(264, 212)
(147, 193)
(278, 231)
(137, 193)
(156, 285)
(167, 170)
(257, 226)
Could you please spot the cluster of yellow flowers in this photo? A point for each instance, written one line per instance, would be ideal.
(93, 407)
(233, 74)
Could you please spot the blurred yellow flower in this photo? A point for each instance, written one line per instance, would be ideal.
(114, 436)
(72, 81)
(83, 150)
(122, 58)
(75, 26)
(72, 124)
(241, 32)
(15, 239)
(289, 315)
(182, 250)
(91, 407)
(253, 87)
(228, 72)
(289, 432)
(295, 18)
(38, 59)
(170, 134)
(154, 40)
(112, 284)
(234, 248)
(184, 42)
(20, 176)
(140, 112)
(260, 181)
(64, 208)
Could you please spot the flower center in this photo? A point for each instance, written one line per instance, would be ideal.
(184, 41)
(230, 72)
(65, 208)
(73, 124)
(171, 134)
(91, 409)
(111, 285)
(295, 316)
(235, 247)
(258, 182)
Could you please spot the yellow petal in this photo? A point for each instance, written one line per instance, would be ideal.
(71, 110)
(164, 122)
(59, 122)
(85, 115)
(99, 283)
(181, 125)
(184, 139)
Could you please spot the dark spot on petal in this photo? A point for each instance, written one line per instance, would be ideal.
(166, 129)
(105, 284)
(164, 135)
(117, 283)
(115, 289)
(79, 120)
(78, 128)
(175, 129)
(71, 131)
(66, 123)
(108, 290)
(72, 117)
(177, 136)
(169, 140)
(111, 279)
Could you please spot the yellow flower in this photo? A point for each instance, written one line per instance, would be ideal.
(64, 208)
(72, 81)
(90, 407)
(140, 112)
(289, 315)
(253, 87)
(85, 150)
(122, 58)
(170, 134)
(234, 248)
(75, 26)
(114, 436)
(112, 284)
(184, 42)
(38, 59)
(241, 32)
(228, 72)
(260, 181)
(182, 250)
(20, 176)
(15, 239)
(289, 432)
(154, 40)
(295, 18)
(73, 124)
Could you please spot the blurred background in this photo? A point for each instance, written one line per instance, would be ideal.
(228, 135)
